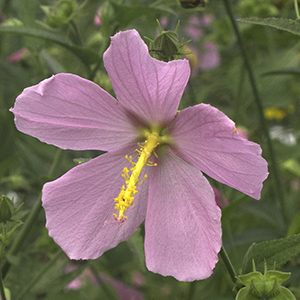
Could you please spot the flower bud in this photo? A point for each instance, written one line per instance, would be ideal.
(166, 45)
(59, 14)
(257, 8)
(64, 9)
(6, 209)
(107, 17)
(267, 286)
(191, 3)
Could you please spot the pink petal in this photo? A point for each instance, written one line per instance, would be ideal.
(183, 226)
(71, 112)
(207, 138)
(150, 88)
(80, 204)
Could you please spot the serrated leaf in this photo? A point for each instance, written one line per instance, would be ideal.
(278, 251)
(86, 55)
(292, 26)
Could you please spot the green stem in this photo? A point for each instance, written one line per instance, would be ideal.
(2, 292)
(77, 34)
(228, 265)
(32, 216)
(40, 274)
(297, 9)
(105, 45)
(238, 101)
(4, 6)
(257, 99)
(109, 293)
(192, 290)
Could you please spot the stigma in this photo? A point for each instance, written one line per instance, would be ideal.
(132, 177)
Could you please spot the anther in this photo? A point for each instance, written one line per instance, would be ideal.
(126, 198)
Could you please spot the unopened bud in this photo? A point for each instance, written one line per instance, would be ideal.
(60, 14)
(65, 9)
(166, 46)
(267, 286)
(6, 209)
(191, 3)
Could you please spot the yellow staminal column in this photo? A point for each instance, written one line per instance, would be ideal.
(126, 196)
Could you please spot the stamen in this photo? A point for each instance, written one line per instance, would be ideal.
(151, 164)
(126, 196)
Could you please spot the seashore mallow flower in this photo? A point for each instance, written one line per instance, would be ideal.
(152, 169)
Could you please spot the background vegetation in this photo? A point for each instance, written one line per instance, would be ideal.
(39, 38)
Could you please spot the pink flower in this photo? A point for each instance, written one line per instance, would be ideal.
(198, 25)
(97, 18)
(207, 56)
(182, 219)
(221, 202)
(194, 29)
(138, 279)
(2, 17)
(242, 132)
(124, 292)
(18, 56)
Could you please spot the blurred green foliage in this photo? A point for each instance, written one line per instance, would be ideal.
(45, 37)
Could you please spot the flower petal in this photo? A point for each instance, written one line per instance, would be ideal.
(80, 204)
(71, 112)
(207, 138)
(150, 88)
(183, 226)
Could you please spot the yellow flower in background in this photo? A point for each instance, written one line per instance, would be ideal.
(275, 113)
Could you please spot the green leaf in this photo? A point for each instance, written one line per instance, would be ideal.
(228, 211)
(294, 227)
(292, 26)
(136, 244)
(126, 14)
(276, 252)
(86, 55)
(291, 167)
(286, 71)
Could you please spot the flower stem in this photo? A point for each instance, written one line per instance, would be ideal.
(104, 46)
(2, 292)
(3, 242)
(32, 216)
(297, 9)
(228, 265)
(40, 274)
(77, 34)
(106, 289)
(257, 99)
(192, 289)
